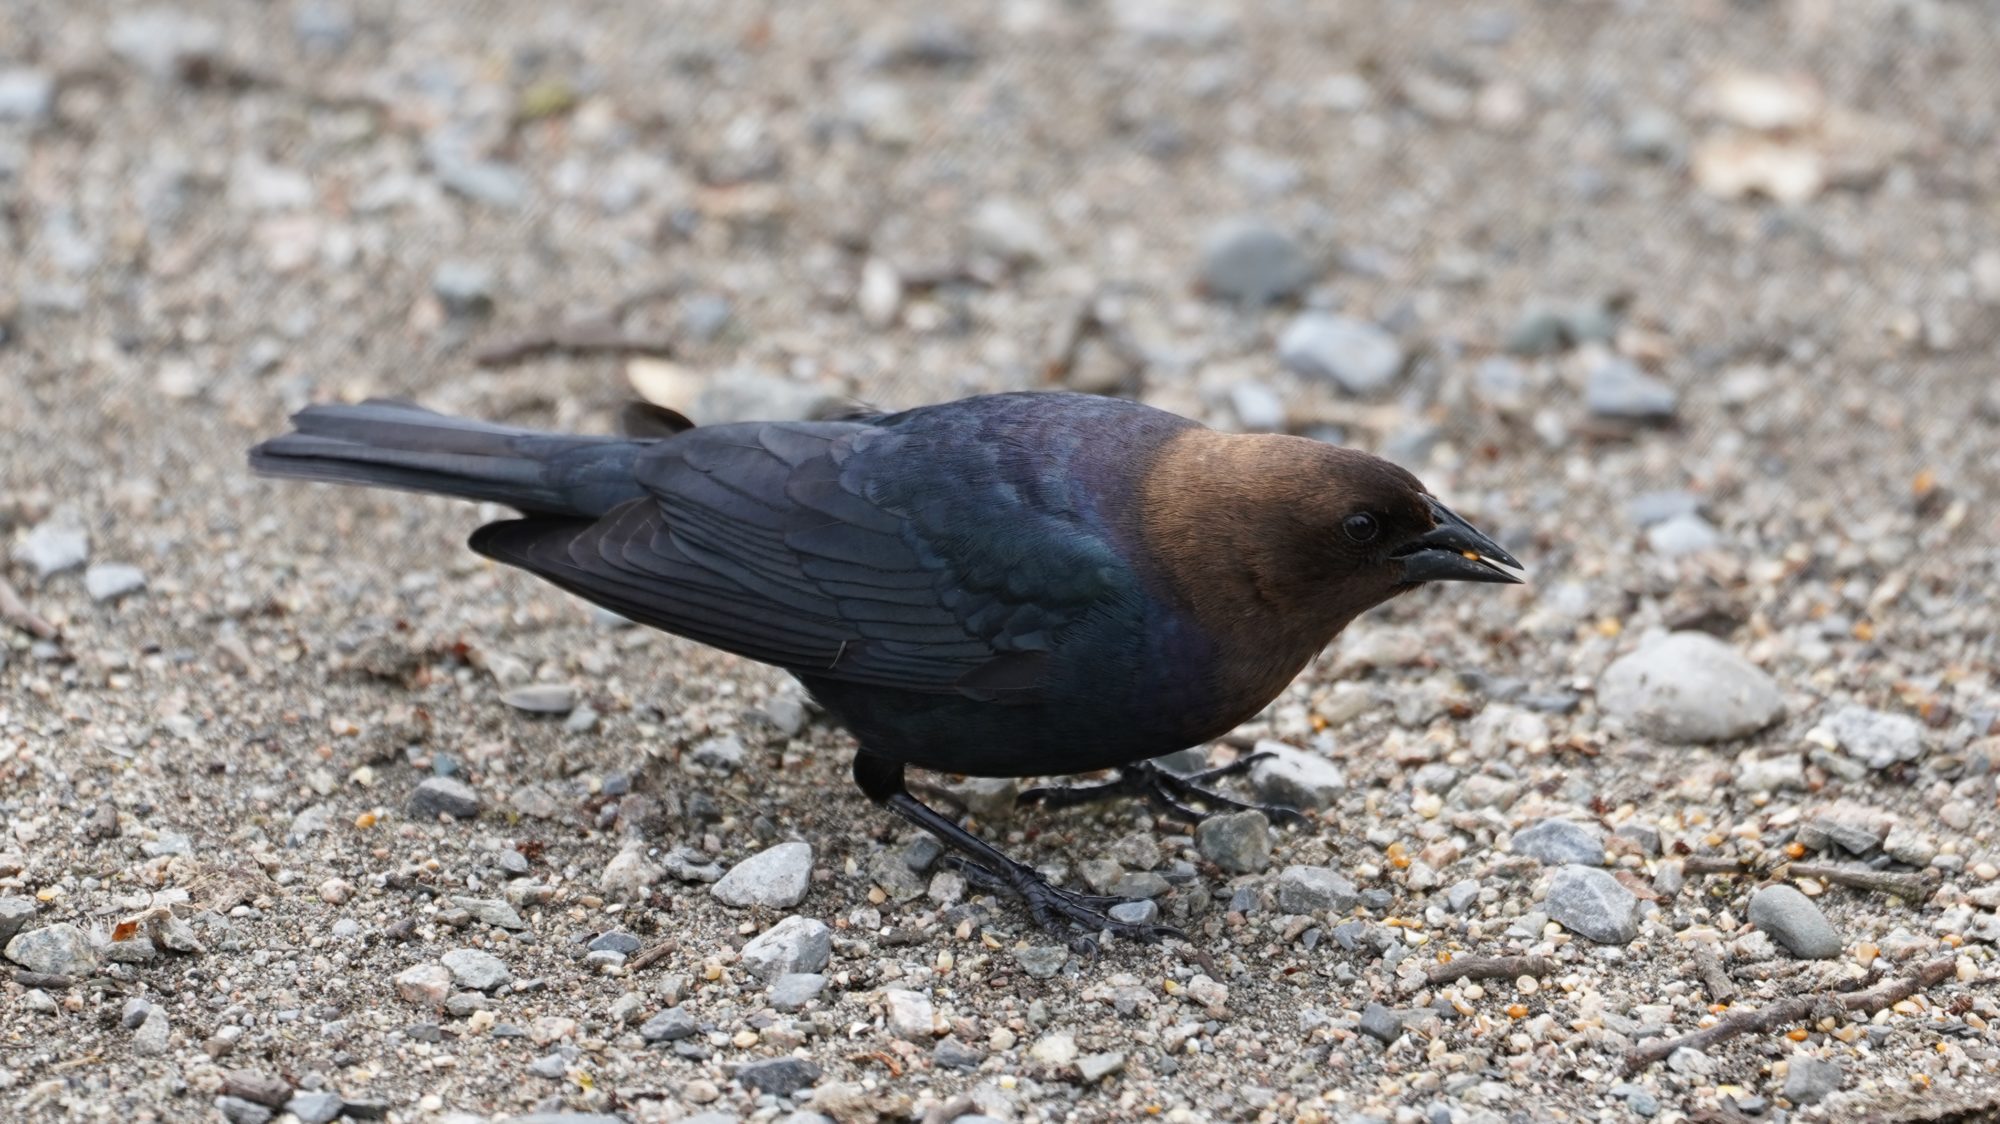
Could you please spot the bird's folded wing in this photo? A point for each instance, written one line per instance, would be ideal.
(832, 549)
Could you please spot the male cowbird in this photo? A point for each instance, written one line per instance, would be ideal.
(1003, 586)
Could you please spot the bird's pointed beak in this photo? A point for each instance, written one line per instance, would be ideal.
(1456, 551)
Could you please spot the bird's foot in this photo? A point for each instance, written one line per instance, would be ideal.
(1167, 790)
(1060, 911)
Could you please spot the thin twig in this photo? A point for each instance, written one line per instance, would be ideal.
(1773, 1015)
(1487, 968)
(1721, 989)
(581, 337)
(1715, 864)
(654, 955)
(1914, 887)
(15, 611)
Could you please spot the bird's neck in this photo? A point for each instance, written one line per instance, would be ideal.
(1220, 516)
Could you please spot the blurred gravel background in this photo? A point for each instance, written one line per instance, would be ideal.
(1696, 306)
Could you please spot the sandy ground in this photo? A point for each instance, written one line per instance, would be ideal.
(1770, 230)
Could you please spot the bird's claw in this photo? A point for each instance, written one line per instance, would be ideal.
(1166, 790)
(1060, 911)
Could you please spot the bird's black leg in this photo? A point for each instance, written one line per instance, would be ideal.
(1060, 911)
(1165, 789)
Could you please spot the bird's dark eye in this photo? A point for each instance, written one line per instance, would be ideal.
(1360, 528)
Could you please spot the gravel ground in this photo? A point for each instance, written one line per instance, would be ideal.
(1695, 306)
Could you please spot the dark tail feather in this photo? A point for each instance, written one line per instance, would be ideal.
(386, 444)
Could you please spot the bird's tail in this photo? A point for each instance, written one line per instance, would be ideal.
(386, 444)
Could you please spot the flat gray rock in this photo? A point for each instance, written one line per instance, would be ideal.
(1795, 922)
(1553, 842)
(1810, 1080)
(1239, 842)
(1359, 357)
(54, 950)
(792, 946)
(1589, 902)
(110, 581)
(1690, 688)
(1876, 738)
(52, 548)
(1294, 777)
(1249, 261)
(479, 971)
(447, 795)
(777, 878)
(794, 990)
(1310, 889)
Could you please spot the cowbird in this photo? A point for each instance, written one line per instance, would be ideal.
(1003, 586)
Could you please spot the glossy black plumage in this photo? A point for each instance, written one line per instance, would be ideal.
(1009, 585)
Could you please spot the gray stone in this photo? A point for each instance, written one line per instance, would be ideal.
(15, 913)
(1248, 261)
(1005, 229)
(794, 945)
(777, 878)
(629, 876)
(1462, 895)
(1553, 842)
(725, 753)
(257, 1085)
(615, 941)
(1649, 508)
(1681, 536)
(1239, 842)
(1617, 388)
(1690, 688)
(1295, 778)
(477, 970)
(1501, 382)
(133, 1013)
(1309, 889)
(551, 1066)
(52, 548)
(164, 42)
(1651, 134)
(1876, 738)
(950, 1053)
(1795, 922)
(463, 288)
(151, 1038)
(482, 181)
(315, 1107)
(26, 95)
(1092, 1068)
(323, 27)
(1383, 1024)
(1259, 409)
(1637, 1098)
(1042, 961)
(794, 990)
(910, 1015)
(491, 911)
(1143, 912)
(1810, 1080)
(54, 950)
(778, 1076)
(1589, 902)
(687, 864)
(1360, 357)
(586, 1118)
(239, 1111)
(445, 795)
(670, 1025)
(542, 698)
